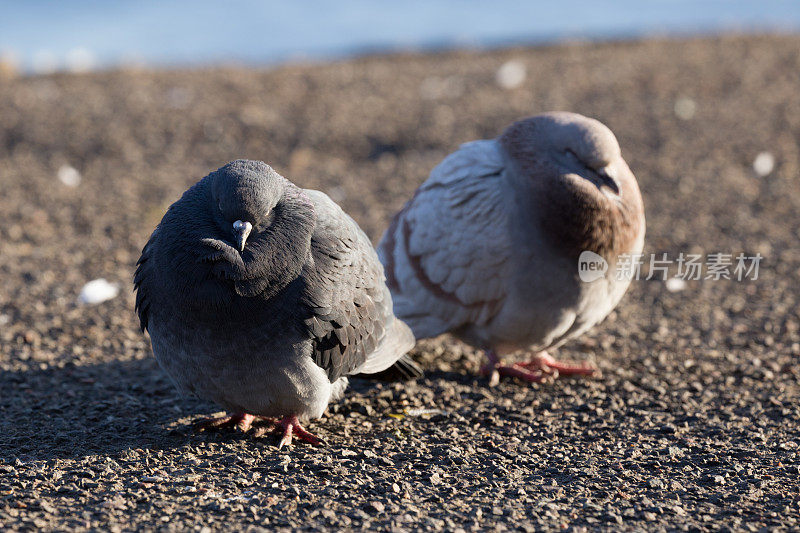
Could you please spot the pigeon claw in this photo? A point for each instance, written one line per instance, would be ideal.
(514, 370)
(241, 421)
(541, 368)
(290, 428)
(546, 363)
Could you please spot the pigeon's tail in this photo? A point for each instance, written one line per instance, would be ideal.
(404, 369)
(397, 341)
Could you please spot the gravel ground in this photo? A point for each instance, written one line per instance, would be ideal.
(694, 423)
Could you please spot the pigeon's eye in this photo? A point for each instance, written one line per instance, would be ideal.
(577, 160)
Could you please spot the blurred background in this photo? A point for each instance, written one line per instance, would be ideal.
(41, 37)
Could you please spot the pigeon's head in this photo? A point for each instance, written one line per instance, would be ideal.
(585, 196)
(570, 146)
(244, 194)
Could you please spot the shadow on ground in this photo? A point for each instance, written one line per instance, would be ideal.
(91, 409)
(105, 408)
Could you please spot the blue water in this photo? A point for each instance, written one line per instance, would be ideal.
(40, 35)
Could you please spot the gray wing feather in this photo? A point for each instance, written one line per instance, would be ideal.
(352, 324)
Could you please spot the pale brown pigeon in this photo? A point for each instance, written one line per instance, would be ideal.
(488, 248)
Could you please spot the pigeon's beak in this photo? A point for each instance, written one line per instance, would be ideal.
(241, 230)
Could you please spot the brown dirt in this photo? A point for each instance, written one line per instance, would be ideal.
(694, 424)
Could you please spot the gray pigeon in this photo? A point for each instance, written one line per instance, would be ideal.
(263, 297)
(488, 248)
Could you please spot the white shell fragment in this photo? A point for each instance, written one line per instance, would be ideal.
(97, 291)
(685, 108)
(425, 412)
(511, 74)
(69, 176)
(764, 164)
(675, 284)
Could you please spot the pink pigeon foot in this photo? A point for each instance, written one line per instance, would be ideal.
(242, 421)
(540, 367)
(546, 363)
(289, 427)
